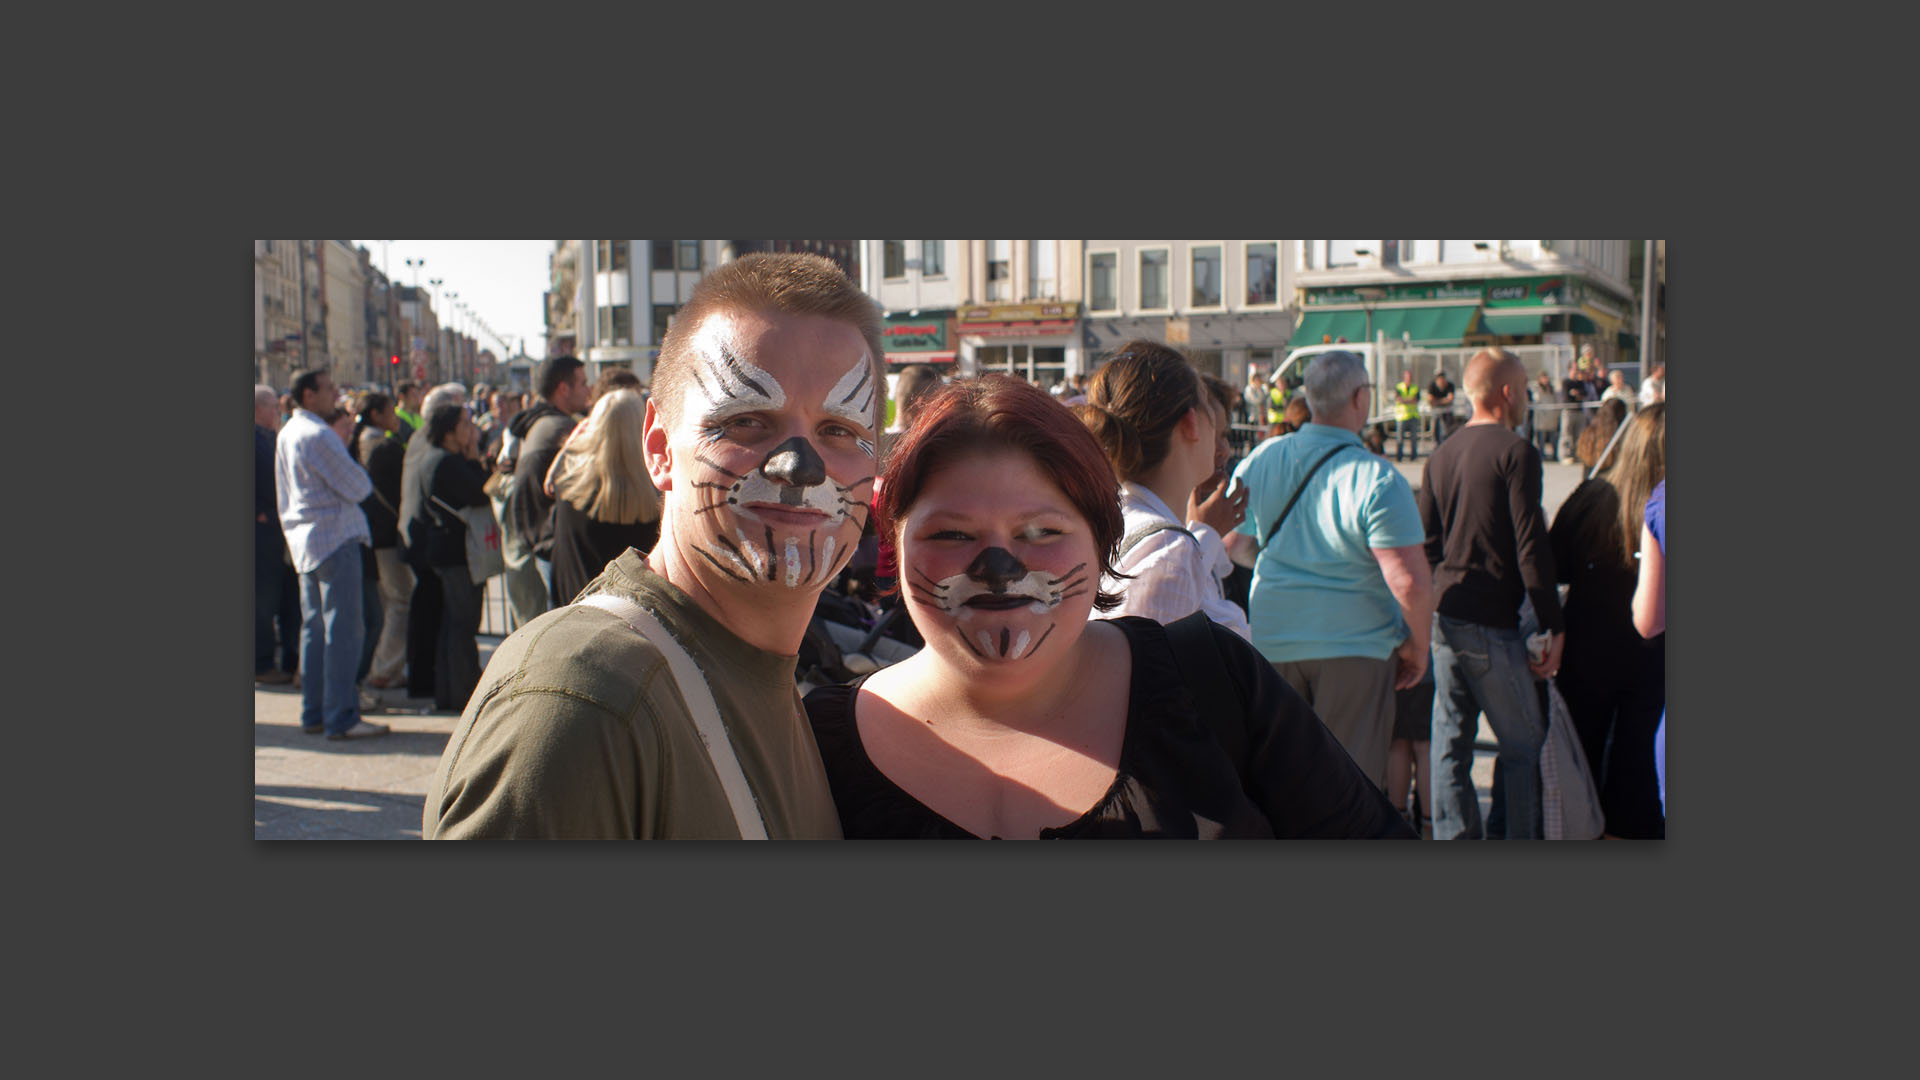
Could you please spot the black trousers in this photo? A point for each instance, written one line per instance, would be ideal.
(457, 647)
(1616, 713)
(423, 630)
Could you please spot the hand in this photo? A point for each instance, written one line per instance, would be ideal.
(1549, 665)
(1210, 504)
(1409, 664)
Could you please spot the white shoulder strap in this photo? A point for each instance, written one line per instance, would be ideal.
(700, 704)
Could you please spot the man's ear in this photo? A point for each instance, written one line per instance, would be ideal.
(659, 452)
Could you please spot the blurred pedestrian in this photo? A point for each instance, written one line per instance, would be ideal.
(1164, 433)
(604, 502)
(411, 396)
(1406, 417)
(445, 479)
(1253, 399)
(610, 380)
(1654, 387)
(1613, 680)
(1599, 432)
(1546, 418)
(1342, 599)
(276, 588)
(1440, 399)
(320, 487)
(542, 430)
(382, 453)
(425, 605)
(1617, 388)
(1486, 538)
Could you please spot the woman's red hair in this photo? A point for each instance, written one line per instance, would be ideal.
(997, 412)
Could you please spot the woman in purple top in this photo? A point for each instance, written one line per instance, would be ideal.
(1650, 607)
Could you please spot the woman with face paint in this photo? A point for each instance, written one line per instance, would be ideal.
(1165, 434)
(1023, 718)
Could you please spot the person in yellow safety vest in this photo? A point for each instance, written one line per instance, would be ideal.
(1406, 415)
(1277, 394)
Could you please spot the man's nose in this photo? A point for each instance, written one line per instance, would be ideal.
(795, 463)
(997, 567)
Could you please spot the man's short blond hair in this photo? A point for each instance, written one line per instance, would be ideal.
(793, 283)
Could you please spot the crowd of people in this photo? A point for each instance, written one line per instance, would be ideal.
(373, 544)
(1084, 668)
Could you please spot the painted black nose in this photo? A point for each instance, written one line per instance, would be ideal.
(997, 567)
(795, 464)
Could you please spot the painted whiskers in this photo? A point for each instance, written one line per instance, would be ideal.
(998, 581)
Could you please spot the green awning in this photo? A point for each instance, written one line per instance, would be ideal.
(1351, 325)
(1512, 324)
(1439, 325)
(1580, 324)
(1390, 321)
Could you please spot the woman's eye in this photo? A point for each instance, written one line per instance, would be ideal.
(949, 534)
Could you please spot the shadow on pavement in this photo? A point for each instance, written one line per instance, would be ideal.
(283, 812)
(281, 737)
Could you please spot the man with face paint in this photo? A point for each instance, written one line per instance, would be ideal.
(760, 437)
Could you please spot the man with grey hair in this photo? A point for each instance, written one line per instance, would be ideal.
(1342, 597)
(276, 589)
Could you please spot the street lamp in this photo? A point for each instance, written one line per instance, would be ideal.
(415, 265)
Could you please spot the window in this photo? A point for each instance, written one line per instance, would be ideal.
(999, 269)
(933, 258)
(1423, 251)
(1153, 279)
(663, 254)
(1206, 276)
(662, 316)
(1040, 269)
(1263, 273)
(622, 326)
(610, 254)
(689, 254)
(1347, 252)
(893, 258)
(1458, 251)
(1103, 285)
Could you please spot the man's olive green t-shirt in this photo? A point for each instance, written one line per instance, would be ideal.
(577, 730)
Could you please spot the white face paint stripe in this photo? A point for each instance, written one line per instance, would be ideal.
(1020, 644)
(793, 562)
(986, 643)
(720, 384)
(852, 397)
(753, 553)
(826, 560)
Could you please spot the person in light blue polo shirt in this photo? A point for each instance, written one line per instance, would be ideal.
(1342, 597)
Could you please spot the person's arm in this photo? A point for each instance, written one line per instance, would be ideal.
(1532, 551)
(1244, 550)
(1410, 580)
(1650, 593)
(1430, 516)
(538, 765)
(1298, 774)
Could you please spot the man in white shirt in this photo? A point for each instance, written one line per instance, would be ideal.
(319, 491)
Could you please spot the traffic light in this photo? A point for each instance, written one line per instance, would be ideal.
(395, 361)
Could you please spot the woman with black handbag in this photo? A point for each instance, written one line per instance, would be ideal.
(441, 482)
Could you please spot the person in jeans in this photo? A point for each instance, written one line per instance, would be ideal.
(1486, 537)
(1440, 396)
(318, 492)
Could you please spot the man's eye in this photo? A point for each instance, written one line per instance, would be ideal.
(838, 431)
(949, 534)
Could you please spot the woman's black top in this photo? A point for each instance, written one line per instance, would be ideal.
(1603, 648)
(1174, 780)
(584, 545)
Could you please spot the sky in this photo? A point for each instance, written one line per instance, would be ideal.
(501, 282)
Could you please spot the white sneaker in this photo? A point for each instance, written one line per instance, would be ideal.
(363, 729)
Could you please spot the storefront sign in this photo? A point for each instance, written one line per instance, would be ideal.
(1535, 292)
(903, 334)
(1458, 291)
(1006, 313)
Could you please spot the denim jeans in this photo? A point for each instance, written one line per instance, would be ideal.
(1480, 669)
(330, 633)
(1407, 433)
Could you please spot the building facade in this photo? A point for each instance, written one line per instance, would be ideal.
(1229, 305)
(920, 286)
(343, 303)
(1467, 293)
(288, 283)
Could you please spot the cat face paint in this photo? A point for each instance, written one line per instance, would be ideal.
(997, 557)
(773, 431)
